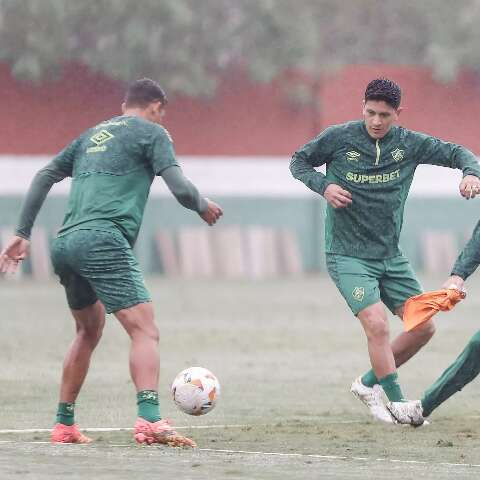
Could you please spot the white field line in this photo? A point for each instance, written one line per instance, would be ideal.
(337, 457)
(278, 454)
(129, 429)
(187, 427)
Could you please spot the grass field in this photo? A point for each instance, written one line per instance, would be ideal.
(285, 351)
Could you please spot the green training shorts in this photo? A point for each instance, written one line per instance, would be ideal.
(98, 265)
(364, 282)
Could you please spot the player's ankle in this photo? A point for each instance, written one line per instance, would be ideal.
(369, 379)
(66, 414)
(148, 406)
(391, 387)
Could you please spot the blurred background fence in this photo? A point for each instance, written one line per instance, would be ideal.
(272, 224)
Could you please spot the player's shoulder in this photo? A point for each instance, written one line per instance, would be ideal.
(350, 126)
(412, 136)
(340, 129)
(153, 130)
(164, 132)
(354, 127)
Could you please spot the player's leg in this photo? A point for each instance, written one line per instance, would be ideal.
(406, 344)
(397, 285)
(356, 279)
(89, 323)
(375, 324)
(138, 321)
(114, 273)
(89, 316)
(461, 372)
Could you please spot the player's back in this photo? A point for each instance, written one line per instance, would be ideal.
(115, 147)
(112, 166)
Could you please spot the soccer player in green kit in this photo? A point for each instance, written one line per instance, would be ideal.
(112, 166)
(467, 365)
(370, 167)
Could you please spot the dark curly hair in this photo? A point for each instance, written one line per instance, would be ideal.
(384, 89)
(143, 92)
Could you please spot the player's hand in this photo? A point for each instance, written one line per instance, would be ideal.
(337, 197)
(469, 186)
(212, 213)
(455, 282)
(11, 256)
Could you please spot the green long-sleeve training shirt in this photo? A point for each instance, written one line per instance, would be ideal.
(469, 259)
(112, 166)
(378, 174)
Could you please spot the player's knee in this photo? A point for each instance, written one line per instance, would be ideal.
(377, 329)
(425, 331)
(91, 334)
(380, 332)
(375, 323)
(148, 329)
(139, 323)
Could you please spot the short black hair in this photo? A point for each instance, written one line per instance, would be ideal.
(144, 91)
(384, 89)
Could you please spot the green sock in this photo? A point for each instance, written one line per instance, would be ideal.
(148, 408)
(392, 388)
(65, 413)
(369, 379)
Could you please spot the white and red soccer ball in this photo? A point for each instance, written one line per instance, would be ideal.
(195, 390)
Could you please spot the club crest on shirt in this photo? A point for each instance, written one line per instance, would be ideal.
(352, 156)
(398, 154)
(358, 293)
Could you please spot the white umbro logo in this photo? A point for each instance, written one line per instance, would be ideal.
(352, 156)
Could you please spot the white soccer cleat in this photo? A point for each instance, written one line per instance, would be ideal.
(372, 397)
(408, 413)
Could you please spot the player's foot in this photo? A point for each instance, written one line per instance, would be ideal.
(410, 412)
(160, 432)
(68, 434)
(372, 397)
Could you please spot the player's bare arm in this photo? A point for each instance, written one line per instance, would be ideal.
(337, 196)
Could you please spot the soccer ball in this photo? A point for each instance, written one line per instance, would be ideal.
(195, 390)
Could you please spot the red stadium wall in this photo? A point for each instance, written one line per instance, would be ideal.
(242, 119)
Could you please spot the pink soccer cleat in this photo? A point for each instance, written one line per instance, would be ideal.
(160, 432)
(68, 434)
